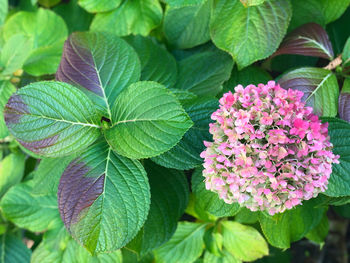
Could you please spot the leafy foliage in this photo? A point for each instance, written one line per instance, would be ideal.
(104, 107)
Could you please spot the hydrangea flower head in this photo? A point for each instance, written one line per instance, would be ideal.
(269, 151)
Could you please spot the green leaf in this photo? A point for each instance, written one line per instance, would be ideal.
(48, 32)
(339, 181)
(107, 192)
(52, 119)
(58, 247)
(338, 32)
(324, 201)
(157, 64)
(247, 3)
(48, 174)
(101, 65)
(147, 120)
(35, 213)
(6, 90)
(14, 53)
(13, 250)
(76, 18)
(193, 209)
(346, 53)
(320, 87)
(245, 77)
(213, 241)
(320, 232)
(184, 96)
(48, 3)
(245, 216)
(333, 9)
(343, 211)
(131, 17)
(169, 198)
(244, 242)
(178, 3)
(3, 10)
(210, 201)
(188, 25)
(292, 225)
(11, 171)
(317, 11)
(226, 257)
(186, 154)
(249, 34)
(204, 73)
(94, 6)
(185, 246)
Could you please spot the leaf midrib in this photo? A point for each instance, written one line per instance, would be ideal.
(144, 120)
(319, 86)
(62, 120)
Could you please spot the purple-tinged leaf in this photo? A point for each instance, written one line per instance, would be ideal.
(100, 64)
(52, 119)
(307, 40)
(344, 101)
(320, 89)
(103, 198)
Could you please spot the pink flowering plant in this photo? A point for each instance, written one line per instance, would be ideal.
(269, 151)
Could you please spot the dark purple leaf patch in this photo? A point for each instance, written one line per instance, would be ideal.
(308, 40)
(15, 109)
(77, 191)
(77, 65)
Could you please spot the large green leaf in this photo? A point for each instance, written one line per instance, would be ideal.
(210, 201)
(317, 11)
(188, 25)
(48, 174)
(292, 225)
(339, 181)
(320, 232)
(94, 6)
(35, 213)
(203, 73)
(11, 171)
(48, 32)
(12, 249)
(131, 17)
(76, 18)
(147, 120)
(52, 118)
(247, 3)
(6, 90)
(102, 65)
(156, 63)
(244, 242)
(3, 10)
(252, 33)
(226, 257)
(245, 77)
(320, 87)
(58, 246)
(106, 192)
(169, 198)
(177, 3)
(185, 246)
(346, 53)
(338, 32)
(15, 52)
(186, 154)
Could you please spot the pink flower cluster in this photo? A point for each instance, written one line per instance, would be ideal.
(269, 152)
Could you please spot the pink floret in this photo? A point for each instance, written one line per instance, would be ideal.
(269, 152)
